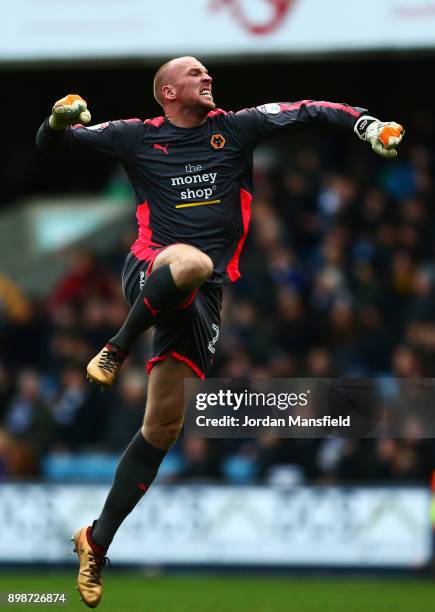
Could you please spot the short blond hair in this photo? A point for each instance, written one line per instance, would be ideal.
(161, 74)
(158, 82)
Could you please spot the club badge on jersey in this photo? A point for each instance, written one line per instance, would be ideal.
(217, 141)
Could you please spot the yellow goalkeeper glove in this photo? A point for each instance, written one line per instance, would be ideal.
(384, 136)
(67, 111)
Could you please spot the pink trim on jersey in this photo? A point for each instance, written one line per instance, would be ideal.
(154, 360)
(152, 310)
(156, 122)
(189, 300)
(141, 248)
(336, 105)
(245, 205)
(190, 363)
(153, 257)
(156, 252)
(217, 111)
(186, 360)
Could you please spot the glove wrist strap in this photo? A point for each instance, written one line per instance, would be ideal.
(54, 124)
(361, 125)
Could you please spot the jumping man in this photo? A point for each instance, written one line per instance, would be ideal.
(191, 170)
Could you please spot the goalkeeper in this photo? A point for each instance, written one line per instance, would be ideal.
(191, 170)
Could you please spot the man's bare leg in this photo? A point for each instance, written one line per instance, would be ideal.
(138, 466)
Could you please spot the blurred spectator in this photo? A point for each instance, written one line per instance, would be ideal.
(126, 409)
(338, 280)
(200, 461)
(28, 424)
(84, 279)
(14, 306)
(75, 412)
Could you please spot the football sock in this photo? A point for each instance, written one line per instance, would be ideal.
(158, 294)
(136, 471)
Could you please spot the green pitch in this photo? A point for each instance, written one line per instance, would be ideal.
(134, 593)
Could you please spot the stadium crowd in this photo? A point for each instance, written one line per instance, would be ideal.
(338, 280)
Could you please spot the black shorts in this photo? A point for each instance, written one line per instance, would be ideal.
(190, 332)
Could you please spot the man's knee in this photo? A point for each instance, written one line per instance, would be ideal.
(160, 434)
(193, 269)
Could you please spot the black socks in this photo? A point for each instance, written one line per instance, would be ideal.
(136, 471)
(159, 293)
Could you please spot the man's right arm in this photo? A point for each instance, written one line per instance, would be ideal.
(256, 123)
(62, 132)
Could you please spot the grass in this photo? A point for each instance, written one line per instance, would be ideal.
(134, 593)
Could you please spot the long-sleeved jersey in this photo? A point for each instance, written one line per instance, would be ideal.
(193, 185)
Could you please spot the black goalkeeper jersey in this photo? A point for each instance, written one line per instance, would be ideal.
(193, 185)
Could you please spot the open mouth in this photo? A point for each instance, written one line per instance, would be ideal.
(206, 93)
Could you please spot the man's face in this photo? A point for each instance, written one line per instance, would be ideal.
(192, 85)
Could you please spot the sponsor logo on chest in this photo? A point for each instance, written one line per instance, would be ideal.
(205, 181)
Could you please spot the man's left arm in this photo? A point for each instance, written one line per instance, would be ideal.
(263, 120)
